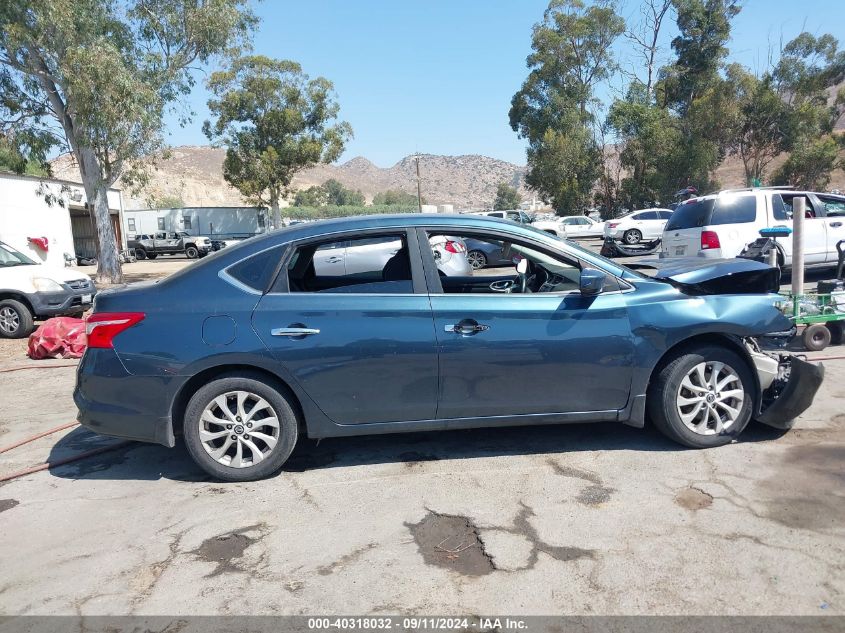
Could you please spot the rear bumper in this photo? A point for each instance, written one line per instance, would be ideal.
(113, 402)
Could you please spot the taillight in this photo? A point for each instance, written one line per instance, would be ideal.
(102, 327)
(455, 247)
(709, 239)
(612, 225)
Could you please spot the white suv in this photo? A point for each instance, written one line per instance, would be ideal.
(720, 225)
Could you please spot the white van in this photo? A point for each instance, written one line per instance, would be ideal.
(720, 225)
(29, 291)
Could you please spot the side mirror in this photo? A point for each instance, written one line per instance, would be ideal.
(592, 282)
(522, 266)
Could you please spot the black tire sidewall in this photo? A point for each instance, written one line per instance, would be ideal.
(141, 254)
(25, 319)
(288, 427)
(663, 396)
(191, 252)
(809, 335)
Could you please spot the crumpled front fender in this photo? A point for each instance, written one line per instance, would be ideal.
(795, 397)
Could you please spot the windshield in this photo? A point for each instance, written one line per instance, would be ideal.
(10, 257)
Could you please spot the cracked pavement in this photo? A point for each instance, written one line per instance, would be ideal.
(580, 519)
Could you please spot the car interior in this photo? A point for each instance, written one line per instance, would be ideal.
(540, 271)
(380, 267)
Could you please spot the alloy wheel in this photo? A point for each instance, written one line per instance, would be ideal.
(476, 259)
(10, 320)
(239, 429)
(710, 398)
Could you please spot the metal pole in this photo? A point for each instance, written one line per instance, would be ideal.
(799, 206)
(419, 188)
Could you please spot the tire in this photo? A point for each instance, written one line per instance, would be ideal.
(816, 337)
(191, 252)
(205, 403)
(666, 392)
(632, 236)
(836, 332)
(140, 253)
(16, 321)
(477, 259)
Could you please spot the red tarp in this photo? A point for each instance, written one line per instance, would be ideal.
(60, 337)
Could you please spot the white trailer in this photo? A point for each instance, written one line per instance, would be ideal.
(224, 223)
(38, 208)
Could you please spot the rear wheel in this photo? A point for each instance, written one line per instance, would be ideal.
(15, 319)
(816, 337)
(191, 252)
(632, 236)
(703, 397)
(240, 428)
(477, 259)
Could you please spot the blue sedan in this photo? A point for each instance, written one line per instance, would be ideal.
(274, 347)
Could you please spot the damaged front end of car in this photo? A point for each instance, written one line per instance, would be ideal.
(788, 385)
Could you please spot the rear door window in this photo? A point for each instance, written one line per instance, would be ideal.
(690, 215)
(834, 207)
(646, 215)
(734, 210)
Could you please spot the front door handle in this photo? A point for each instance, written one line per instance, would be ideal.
(467, 327)
(294, 331)
(836, 224)
(334, 260)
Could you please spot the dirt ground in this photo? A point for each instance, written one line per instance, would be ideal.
(578, 519)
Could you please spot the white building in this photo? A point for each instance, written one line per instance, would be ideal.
(218, 222)
(33, 207)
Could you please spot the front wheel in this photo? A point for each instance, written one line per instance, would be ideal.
(632, 236)
(703, 398)
(141, 254)
(191, 252)
(16, 320)
(240, 428)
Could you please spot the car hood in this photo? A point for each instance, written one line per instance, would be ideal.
(9, 276)
(696, 275)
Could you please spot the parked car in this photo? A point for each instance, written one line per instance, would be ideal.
(484, 254)
(646, 224)
(272, 349)
(514, 215)
(367, 256)
(30, 290)
(571, 227)
(150, 246)
(720, 225)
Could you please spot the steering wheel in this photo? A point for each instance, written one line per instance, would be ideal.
(503, 285)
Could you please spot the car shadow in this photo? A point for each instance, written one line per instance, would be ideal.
(138, 461)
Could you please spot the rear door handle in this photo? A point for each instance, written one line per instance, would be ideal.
(467, 327)
(294, 331)
(836, 224)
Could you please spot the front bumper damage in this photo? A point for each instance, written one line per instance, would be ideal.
(788, 385)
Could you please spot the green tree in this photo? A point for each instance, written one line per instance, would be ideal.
(395, 198)
(339, 195)
(95, 77)
(507, 197)
(312, 197)
(274, 121)
(572, 53)
(809, 67)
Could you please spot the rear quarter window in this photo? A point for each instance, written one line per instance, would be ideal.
(255, 271)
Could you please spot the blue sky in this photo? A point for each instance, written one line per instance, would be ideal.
(437, 76)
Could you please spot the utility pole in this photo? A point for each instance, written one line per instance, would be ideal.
(419, 188)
